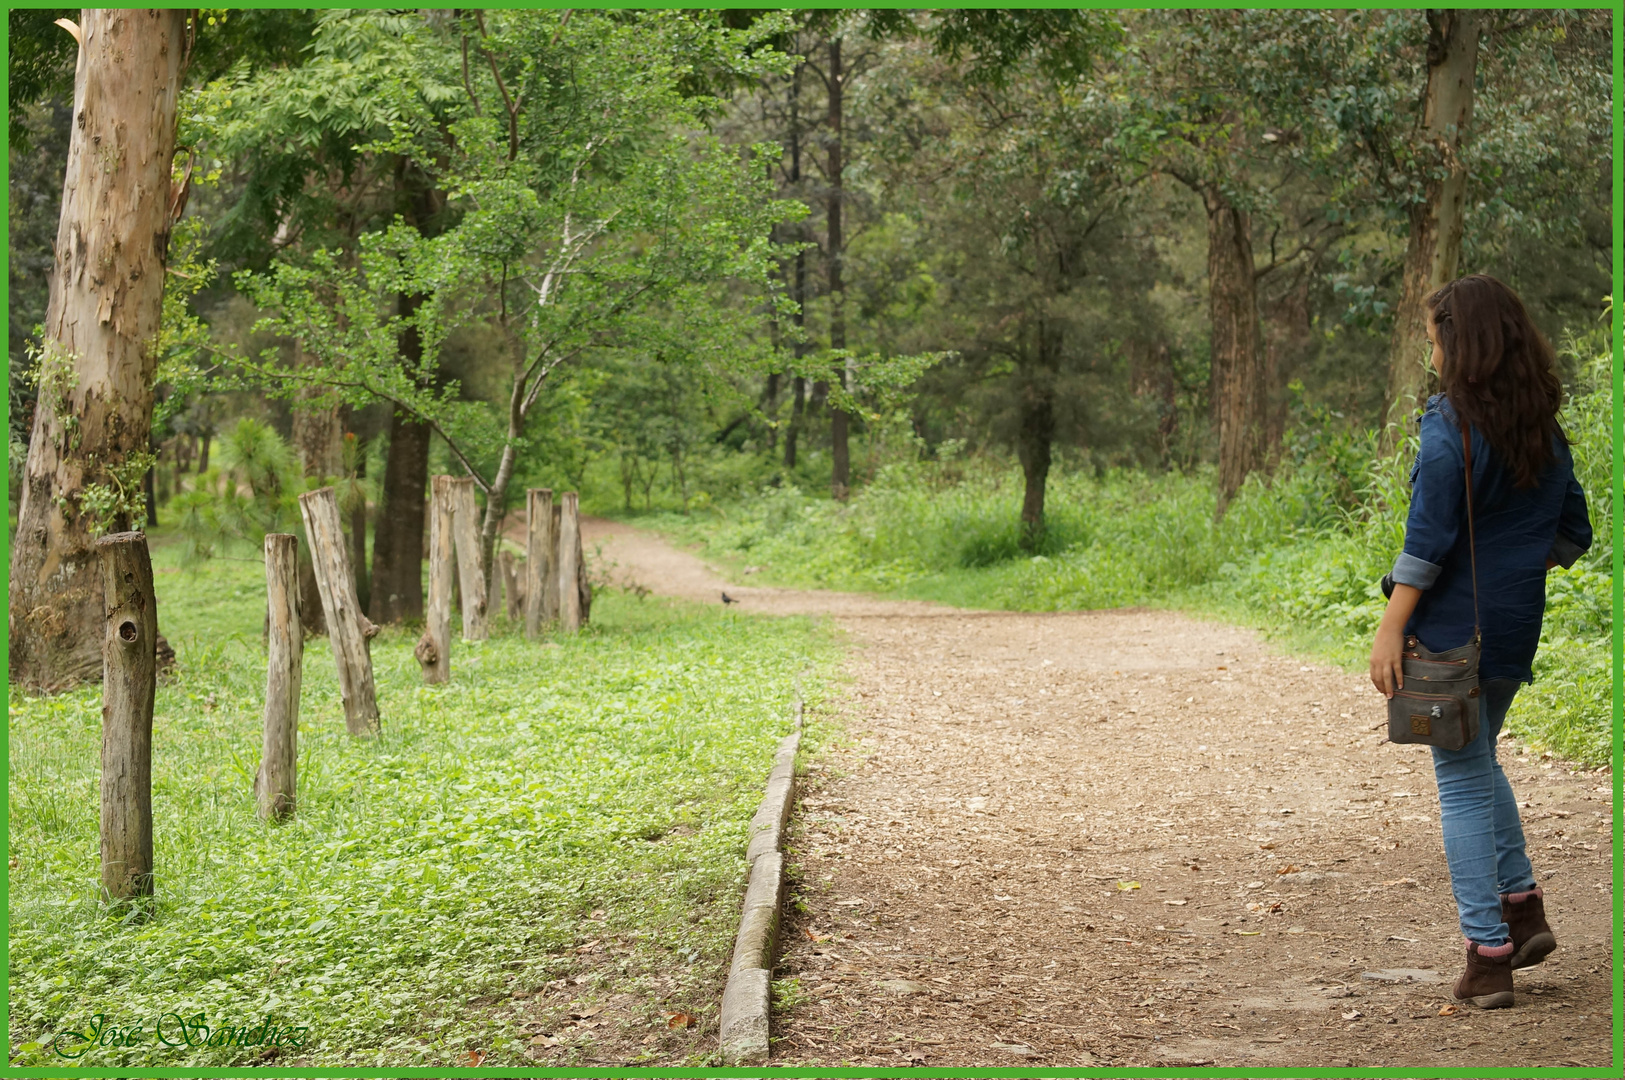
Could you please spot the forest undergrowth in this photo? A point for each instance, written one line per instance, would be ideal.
(575, 809)
(1298, 554)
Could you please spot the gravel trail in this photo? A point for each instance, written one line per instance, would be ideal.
(1136, 838)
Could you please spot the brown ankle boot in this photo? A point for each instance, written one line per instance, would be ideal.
(1487, 982)
(1532, 938)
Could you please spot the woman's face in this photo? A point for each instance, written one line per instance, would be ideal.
(1437, 357)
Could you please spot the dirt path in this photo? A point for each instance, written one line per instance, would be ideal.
(1134, 838)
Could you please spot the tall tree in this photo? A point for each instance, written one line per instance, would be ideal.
(89, 446)
(309, 140)
(583, 225)
(1438, 213)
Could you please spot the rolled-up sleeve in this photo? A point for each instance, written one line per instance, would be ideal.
(1437, 492)
(1573, 526)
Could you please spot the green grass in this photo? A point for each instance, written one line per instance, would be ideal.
(1298, 555)
(428, 873)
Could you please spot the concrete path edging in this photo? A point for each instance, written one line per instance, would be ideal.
(746, 1000)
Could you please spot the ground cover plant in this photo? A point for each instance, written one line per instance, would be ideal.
(1299, 553)
(591, 791)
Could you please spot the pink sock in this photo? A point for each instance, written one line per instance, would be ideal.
(1496, 951)
(1520, 897)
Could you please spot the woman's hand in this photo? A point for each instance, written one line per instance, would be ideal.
(1388, 650)
(1388, 660)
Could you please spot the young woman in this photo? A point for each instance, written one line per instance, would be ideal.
(1529, 515)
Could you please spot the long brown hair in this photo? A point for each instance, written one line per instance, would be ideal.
(1498, 372)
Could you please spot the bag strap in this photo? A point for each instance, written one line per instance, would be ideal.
(1472, 543)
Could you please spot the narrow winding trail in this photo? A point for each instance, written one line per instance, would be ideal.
(1135, 838)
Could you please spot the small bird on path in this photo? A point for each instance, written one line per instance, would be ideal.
(726, 599)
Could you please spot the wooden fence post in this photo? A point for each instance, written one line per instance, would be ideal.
(349, 631)
(550, 589)
(470, 571)
(434, 647)
(276, 782)
(570, 564)
(129, 680)
(538, 548)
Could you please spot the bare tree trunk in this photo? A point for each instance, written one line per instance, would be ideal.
(1037, 435)
(93, 423)
(434, 647)
(508, 575)
(317, 433)
(470, 569)
(397, 541)
(129, 682)
(792, 434)
(1434, 246)
(840, 450)
(538, 557)
(348, 630)
(1287, 333)
(1239, 397)
(276, 783)
(1154, 378)
(569, 565)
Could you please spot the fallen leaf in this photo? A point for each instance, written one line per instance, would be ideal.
(1176, 903)
(1288, 869)
(474, 1059)
(1249, 933)
(1255, 885)
(1353, 1014)
(815, 938)
(1450, 1010)
(1125, 886)
(589, 946)
(681, 1020)
(998, 897)
(1267, 847)
(543, 1040)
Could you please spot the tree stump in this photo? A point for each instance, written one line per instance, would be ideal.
(470, 571)
(349, 631)
(276, 782)
(434, 647)
(538, 556)
(129, 681)
(569, 564)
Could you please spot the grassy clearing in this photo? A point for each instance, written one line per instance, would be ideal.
(428, 875)
(1299, 557)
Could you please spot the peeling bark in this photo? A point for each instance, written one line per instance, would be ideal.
(106, 299)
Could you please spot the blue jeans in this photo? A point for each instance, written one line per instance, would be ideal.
(1483, 838)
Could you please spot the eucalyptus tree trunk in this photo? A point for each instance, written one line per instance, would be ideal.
(1434, 247)
(86, 455)
(1240, 402)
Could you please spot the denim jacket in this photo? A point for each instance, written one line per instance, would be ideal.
(1517, 529)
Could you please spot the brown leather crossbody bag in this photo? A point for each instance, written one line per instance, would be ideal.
(1438, 704)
